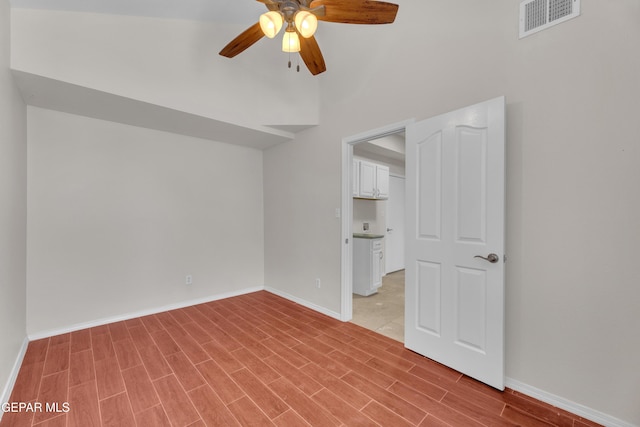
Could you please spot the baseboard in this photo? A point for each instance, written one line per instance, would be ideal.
(567, 405)
(13, 376)
(303, 302)
(147, 312)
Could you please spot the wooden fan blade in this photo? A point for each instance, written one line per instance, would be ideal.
(311, 55)
(357, 11)
(243, 41)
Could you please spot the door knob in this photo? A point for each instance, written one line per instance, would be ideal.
(492, 258)
(389, 229)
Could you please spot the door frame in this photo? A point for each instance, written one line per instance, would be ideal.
(346, 298)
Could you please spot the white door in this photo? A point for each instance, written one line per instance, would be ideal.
(455, 191)
(394, 238)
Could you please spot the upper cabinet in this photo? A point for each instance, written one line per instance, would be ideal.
(382, 182)
(355, 178)
(371, 181)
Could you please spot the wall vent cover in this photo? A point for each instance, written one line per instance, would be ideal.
(537, 15)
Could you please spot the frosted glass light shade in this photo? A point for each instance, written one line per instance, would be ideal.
(270, 23)
(306, 23)
(290, 42)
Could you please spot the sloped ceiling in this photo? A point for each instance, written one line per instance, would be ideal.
(56, 95)
(65, 96)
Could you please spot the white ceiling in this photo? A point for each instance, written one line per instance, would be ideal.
(244, 12)
(48, 93)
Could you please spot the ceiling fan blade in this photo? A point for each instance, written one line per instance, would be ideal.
(357, 11)
(311, 55)
(243, 41)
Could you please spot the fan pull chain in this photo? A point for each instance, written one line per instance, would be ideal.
(298, 63)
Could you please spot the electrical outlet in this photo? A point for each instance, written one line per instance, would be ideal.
(318, 284)
(188, 280)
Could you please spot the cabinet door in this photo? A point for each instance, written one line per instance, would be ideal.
(376, 268)
(382, 182)
(367, 180)
(355, 178)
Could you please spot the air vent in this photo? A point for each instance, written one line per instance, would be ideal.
(537, 15)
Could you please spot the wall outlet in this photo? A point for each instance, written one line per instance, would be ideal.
(365, 226)
(318, 283)
(188, 280)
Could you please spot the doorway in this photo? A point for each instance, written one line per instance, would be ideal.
(454, 238)
(384, 310)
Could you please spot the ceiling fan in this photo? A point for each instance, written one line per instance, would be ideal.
(301, 20)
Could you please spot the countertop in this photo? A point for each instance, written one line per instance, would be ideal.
(367, 236)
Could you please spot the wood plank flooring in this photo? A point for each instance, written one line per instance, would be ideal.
(253, 360)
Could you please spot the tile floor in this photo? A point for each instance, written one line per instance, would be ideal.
(383, 312)
(253, 360)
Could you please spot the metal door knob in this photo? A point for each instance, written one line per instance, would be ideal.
(492, 258)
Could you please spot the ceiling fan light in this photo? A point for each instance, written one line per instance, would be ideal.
(270, 23)
(290, 42)
(306, 23)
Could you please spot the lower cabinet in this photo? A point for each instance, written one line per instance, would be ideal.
(367, 266)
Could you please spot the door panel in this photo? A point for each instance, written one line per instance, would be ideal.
(454, 311)
(429, 286)
(471, 183)
(428, 191)
(471, 291)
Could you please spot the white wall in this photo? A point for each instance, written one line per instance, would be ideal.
(170, 63)
(372, 212)
(13, 204)
(119, 215)
(573, 169)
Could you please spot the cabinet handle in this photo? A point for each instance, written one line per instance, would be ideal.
(381, 255)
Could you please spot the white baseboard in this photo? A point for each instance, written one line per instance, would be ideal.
(118, 318)
(567, 405)
(13, 375)
(305, 303)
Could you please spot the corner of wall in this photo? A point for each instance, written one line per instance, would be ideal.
(13, 375)
(13, 212)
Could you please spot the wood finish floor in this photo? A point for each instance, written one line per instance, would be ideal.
(253, 360)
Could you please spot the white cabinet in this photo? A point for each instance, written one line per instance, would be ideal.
(372, 180)
(367, 265)
(355, 178)
(382, 182)
(367, 187)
